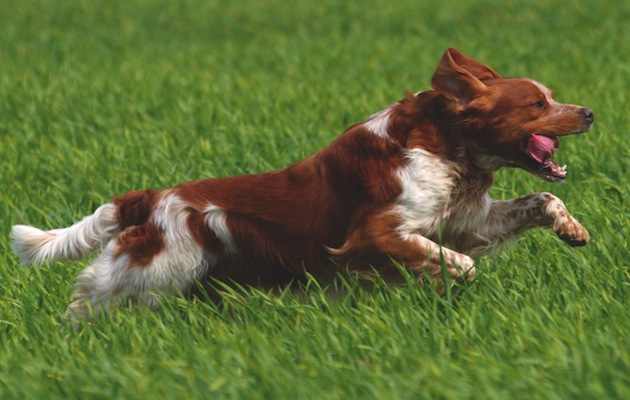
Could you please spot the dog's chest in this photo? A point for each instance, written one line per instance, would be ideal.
(427, 183)
(433, 194)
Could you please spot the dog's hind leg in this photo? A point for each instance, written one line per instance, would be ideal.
(95, 289)
(134, 266)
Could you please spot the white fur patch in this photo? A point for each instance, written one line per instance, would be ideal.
(545, 90)
(427, 181)
(182, 259)
(379, 123)
(216, 220)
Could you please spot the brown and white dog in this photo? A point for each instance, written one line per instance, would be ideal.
(412, 178)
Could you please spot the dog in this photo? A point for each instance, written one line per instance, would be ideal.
(408, 187)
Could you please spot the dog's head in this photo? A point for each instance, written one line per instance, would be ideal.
(510, 121)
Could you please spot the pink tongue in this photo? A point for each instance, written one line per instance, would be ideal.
(541, 148)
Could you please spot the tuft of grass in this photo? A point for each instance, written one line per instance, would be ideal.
(101, 97)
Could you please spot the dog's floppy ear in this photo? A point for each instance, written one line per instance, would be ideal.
(460, 78)
(479, 70)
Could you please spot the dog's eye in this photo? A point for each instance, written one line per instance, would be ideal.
(539, 104)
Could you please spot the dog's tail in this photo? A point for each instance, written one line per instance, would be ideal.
(34, 246)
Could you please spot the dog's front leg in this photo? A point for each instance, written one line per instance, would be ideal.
(429, 259)
(507, 219)
(373, 248)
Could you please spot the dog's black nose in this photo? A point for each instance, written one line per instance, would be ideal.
(588, 114)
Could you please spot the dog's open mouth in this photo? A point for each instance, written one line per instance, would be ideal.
(538, 150)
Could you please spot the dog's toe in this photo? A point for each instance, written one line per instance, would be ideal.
(574, 234)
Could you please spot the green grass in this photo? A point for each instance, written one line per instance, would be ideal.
(101, 97)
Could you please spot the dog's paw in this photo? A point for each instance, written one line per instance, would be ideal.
(461, 266)
(573, 233)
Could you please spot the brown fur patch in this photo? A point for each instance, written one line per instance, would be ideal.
(141, 243)
(134, 208)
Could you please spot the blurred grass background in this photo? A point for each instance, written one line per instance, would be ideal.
(101, 97)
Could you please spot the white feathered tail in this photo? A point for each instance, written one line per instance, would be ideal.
(35, 246)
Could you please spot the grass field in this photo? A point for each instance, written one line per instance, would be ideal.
(101, 97)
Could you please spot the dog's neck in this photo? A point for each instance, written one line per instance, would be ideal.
(423, 121)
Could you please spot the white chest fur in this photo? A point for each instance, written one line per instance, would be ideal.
(427, 181)
(433, 194)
